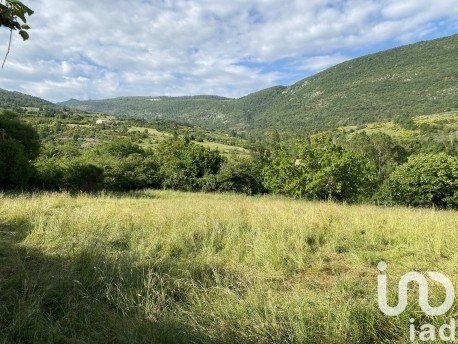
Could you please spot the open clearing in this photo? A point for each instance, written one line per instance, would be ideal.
(163, 266)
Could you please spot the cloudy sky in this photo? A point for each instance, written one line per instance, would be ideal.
(91, 49)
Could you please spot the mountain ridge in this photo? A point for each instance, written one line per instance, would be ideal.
(411, 80)
(11, 99)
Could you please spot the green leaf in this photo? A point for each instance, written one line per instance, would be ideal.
(24, 35)
(20, 15)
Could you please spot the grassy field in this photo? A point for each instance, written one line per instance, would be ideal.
(170, 267)
(445, 123)
(221, 147)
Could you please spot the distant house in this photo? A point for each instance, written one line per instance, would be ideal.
(102, 121)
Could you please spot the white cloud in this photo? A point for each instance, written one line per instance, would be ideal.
(95, 49)
(319, 63)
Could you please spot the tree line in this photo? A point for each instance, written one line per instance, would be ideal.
(363, 168)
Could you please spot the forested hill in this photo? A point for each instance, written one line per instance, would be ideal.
(13, 99)
(417, 79)
(209, 111)
(411, 80)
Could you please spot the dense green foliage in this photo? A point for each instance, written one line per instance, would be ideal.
(321, 170)
(122, 165)
(425, 180)
(384, 152)
(19, 145)
(240, 174)
(183, 164)
(81, 152)
(13, 99)
(412, 80)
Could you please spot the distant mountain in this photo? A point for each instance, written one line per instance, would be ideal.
(416, 79)
(209, 111)
(412, 80)
(12, 99)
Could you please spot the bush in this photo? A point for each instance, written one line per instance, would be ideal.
(239, 175)
(82, 177)
(183, 164)
(19, 145)
(134, 171)
(321, 170)
(424, 180)
(15, 168)
(49, 174)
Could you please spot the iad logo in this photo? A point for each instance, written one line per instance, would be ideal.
(427, 331)
(423, 292)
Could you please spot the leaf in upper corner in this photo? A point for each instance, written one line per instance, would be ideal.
(24, 35)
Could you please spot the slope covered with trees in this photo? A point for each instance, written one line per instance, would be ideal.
(412, 80)
(13, 99)
(87, 152)
(209, 111)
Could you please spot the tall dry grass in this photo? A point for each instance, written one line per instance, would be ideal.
(159, 266)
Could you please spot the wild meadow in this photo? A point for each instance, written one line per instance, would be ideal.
(293, 214)
(176, 267)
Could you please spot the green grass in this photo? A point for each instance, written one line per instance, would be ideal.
(225, 149)
(436, 127)
(158, 136)
(170, 267)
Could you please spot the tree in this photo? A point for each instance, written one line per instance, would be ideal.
(19, 145)
(424, 180)
(119, 148)
(239, 174)
(49, 173)
(82, 177)
(280, 174)
(184, 164)
(321, 170)
(384, 152)
(13, 16)
(126, 165)
(15, 168)
(131, 172)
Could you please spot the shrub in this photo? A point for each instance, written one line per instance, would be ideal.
(131, 172)
(321, 170)
(82, 177)
(424, 180)
(49, 174)
(19, 145)
(183, 164)
(239, 175)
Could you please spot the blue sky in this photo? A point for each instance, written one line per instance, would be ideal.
(88, 49)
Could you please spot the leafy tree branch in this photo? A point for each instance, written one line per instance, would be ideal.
(13, 16)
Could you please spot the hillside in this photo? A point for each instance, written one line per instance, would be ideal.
(209, 111)
(412, 80)
(416, 79)
(12, 99)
